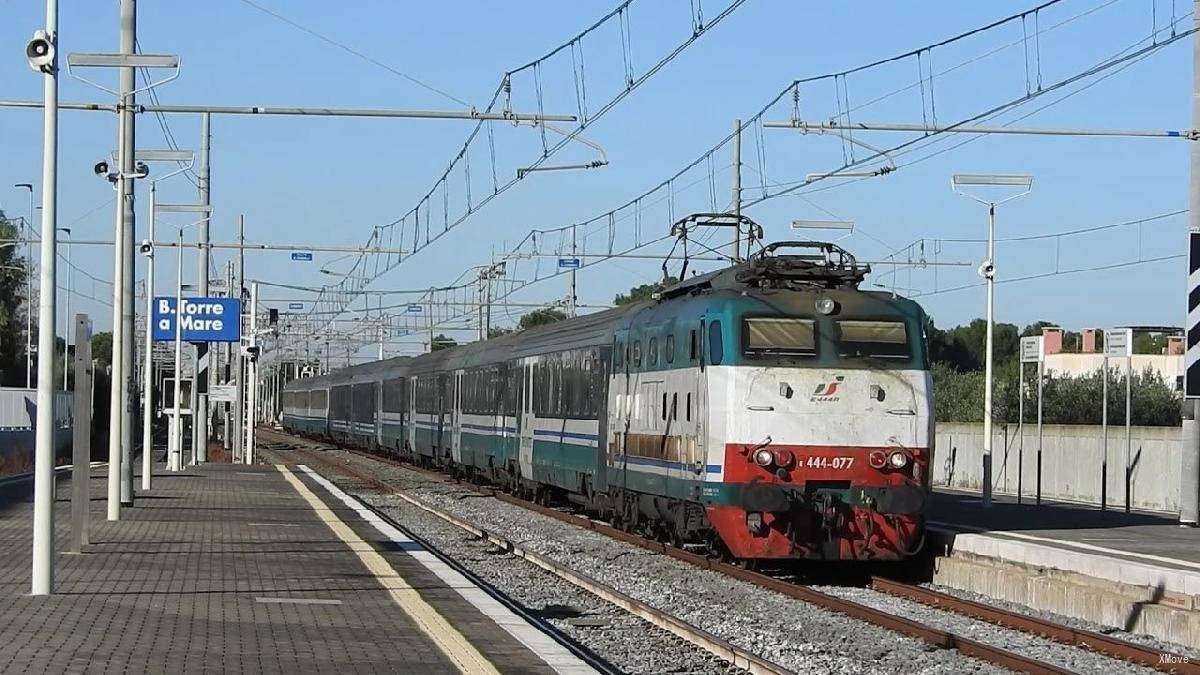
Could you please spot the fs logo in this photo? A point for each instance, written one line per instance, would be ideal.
(827, 392)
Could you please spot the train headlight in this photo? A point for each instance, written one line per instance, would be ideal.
(826, 306)
(878, 459)
(898, 459)
(764, 457)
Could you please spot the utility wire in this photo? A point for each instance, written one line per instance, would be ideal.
(351, 50)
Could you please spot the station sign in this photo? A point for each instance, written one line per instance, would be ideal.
(414, 309)
(401, 332)
(218, 393)
(1033, 349)
(1118, 342)
(302, 255)
(204, 319)
(295, 305)
(570, 263)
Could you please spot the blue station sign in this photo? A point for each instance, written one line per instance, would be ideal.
(203, 320)
(414, 309)
(302, 255)
(295, 305)
(570, 263)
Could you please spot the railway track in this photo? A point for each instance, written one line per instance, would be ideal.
(944, 639)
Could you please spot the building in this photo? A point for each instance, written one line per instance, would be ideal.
(1089, 358)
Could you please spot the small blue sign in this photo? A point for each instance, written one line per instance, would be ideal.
(295, 305)
(307, 257)
(204, 319)
(569, 263)
(415, 309)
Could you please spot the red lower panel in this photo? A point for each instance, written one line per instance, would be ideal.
(859, 534)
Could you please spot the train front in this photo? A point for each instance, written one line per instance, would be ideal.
(821, 421)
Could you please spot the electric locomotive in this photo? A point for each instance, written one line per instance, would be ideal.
(768, 410)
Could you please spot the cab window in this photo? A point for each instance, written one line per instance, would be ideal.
(879, 339)
(716, 347)
(780, 336)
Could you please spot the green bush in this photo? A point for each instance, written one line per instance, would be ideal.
(958, 397)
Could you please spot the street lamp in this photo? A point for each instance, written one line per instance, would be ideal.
(988, 271)
(28, 289)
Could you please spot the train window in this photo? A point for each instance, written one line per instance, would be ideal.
(637, 353)
(675, 406)
(663, 410)
(669, 349)
(886, 339)
(688, 410)
(769, 335)
(693, 346)
(716, 346)
(618, 355)
(652, 351)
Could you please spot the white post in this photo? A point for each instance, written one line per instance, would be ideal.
(1041, 376)
(148, 362)
(43, 476)
(1020, 426)
(128, 381)
(1128, 424)
(115, 414)
(177, 433)
(29, 296)
(737, 189)
(987, 366)
(1104, 434)
(252, 377)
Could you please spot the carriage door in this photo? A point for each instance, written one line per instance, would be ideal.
(456, 418)
(620, 400)
(525, 453)
(378, 414)
(697, 404)
(411, 405)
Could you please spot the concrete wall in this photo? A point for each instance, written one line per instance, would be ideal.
(1072, 457)
(18, 412)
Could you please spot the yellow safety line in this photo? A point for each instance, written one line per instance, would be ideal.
(457, 648)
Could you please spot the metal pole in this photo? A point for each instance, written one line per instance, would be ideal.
(128, 378)
(148, 363)
(1189, 469)
(573, 298)
(1020, 425)
(252, 376)
(239, 366)
(200, 385)
(987, 366)
(1104, 434)
(1128, 427)
(225, 440)
(177, 433)
(29, 297)
(1041, 378)
(737, 187)
(81, 437)
(43, 473)
(67, 314)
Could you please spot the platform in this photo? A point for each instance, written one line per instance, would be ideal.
(1136, 571)
(250, 569)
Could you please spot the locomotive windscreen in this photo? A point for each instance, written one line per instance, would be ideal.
(888, 339)
(781, 336)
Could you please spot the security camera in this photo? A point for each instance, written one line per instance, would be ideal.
(101, 168)
(251, 352)
(40, 52)
(146, 248)
(141, 169)
(987, 270)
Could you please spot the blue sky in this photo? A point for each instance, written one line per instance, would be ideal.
(330, 180)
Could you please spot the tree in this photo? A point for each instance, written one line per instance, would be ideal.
(541, 317)
(13, 273)
(442, 342)
(643, 292)
(496, 332)
(102, 350)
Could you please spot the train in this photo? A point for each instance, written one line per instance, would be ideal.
(771, 410)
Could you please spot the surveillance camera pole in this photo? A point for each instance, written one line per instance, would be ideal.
(200, 383)
(43, 475)
(128, 382)
(148, 368)
(176, 458)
